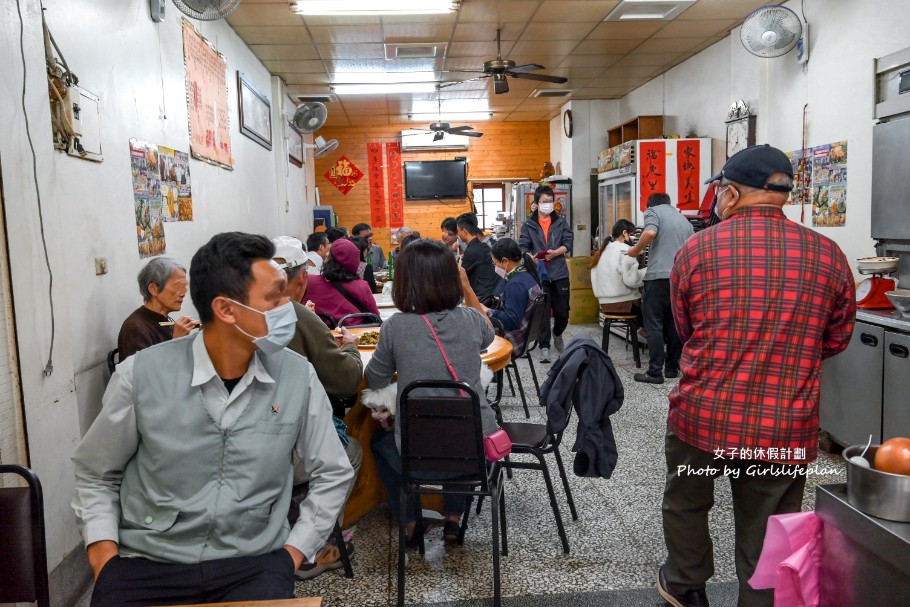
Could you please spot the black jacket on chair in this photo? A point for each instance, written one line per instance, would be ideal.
(584, 375)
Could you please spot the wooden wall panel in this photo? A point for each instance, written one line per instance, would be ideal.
(507, 149)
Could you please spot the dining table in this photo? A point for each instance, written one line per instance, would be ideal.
(368, 491)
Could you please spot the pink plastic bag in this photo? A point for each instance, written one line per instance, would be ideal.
(790, 559)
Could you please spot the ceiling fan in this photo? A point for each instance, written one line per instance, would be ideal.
(499, 68)
(441, 128)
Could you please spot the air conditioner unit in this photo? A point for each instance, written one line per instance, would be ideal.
(415, 141)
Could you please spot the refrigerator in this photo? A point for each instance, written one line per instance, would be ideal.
(632, 171)
(523, 195)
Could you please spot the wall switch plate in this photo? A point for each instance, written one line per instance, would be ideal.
(100, 266)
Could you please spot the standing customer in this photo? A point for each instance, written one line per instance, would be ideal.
(547, 234)
(375, 257)
(427, 290)
(755, 331)
(183, 482)
(616, 278)
(666, 230)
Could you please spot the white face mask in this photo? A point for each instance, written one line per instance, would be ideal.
(280, 323)
(500, 270)
(546, 208)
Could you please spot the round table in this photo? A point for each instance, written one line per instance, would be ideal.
(368, 491)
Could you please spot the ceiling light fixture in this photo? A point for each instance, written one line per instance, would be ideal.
(383, 77)
(450, 116)
(374, 7)
(640, 10)
(384, 89)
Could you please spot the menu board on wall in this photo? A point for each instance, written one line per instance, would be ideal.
(176, 193)
(820, 177)
(207, 100)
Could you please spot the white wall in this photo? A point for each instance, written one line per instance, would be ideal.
(845, 38)
(123, 57)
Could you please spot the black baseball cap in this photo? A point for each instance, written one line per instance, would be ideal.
(754, 165)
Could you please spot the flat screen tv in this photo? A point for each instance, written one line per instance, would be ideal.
(425, 179)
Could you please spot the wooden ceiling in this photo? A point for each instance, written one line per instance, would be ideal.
(602, 60)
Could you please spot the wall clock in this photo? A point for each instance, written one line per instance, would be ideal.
(740, 134)
(567, 123)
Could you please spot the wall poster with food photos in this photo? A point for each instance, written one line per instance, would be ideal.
(820, 178)
(146, 174)
(176, 193)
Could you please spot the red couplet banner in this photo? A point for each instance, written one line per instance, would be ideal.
(377, 185)
(652, 167)
(688, 165)
(396, 185)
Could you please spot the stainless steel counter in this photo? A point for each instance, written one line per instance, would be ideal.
(885, 318)
(866, 560)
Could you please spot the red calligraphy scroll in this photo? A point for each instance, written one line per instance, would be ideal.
(688, 165)
(377, 185)
(343, 175)
(396, 185)
(652, 170)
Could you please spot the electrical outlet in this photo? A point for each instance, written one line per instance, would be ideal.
(100, 266)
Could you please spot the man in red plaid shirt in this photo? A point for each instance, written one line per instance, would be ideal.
(758, 301)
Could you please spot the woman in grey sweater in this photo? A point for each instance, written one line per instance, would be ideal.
(427, 285)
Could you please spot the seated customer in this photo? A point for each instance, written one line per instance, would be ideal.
(374, 256)
(163, 285)
(339, 369)
(615, 277)
(184, 504)
(403, 232)
(477, 260)
(338, 291)
(522, 286)
(317, 246)
(449, 229)
(427, 290)
(364, 270)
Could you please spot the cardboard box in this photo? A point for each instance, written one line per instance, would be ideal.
(579, 272)
(583, 307)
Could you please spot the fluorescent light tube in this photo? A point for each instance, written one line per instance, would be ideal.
(384, 89)
(383, 77)
(450, 116)
(375, 7)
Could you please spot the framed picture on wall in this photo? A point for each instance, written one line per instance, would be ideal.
(295, 146)
(255, 113)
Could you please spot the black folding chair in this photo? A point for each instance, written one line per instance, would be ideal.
(113, 359)
(328, 319)
(23, 552)
(444, 434)
(298, 494)
(539, 310)
(370, 319)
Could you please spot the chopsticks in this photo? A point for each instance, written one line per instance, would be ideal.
(171, 323)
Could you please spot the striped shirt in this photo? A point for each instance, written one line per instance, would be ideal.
(758, 301)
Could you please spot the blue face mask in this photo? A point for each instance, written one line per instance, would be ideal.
(280, 323)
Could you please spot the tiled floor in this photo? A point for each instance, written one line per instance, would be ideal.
(616, 543)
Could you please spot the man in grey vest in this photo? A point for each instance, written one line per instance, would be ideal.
(184, 480)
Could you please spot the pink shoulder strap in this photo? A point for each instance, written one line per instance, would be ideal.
(441, 350)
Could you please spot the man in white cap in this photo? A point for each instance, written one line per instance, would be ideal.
(338, 366)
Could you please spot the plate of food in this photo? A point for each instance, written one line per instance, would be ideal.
(368, 340)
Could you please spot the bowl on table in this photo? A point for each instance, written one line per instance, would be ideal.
(874, 492)
(876, 265)
(900, 299)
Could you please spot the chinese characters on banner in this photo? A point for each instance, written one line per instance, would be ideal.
(396, 185)
(377, 186)
(343, 175)
(206, 100)
(821, 178)
(688, 164)
(147, 198)
(653, 174)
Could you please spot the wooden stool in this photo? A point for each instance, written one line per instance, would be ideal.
(627, 321)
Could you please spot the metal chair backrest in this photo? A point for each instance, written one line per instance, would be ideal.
(442, 433)
(371, 320)
(23, 552)
(538, 313)
(328, 319)
(113, 359)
